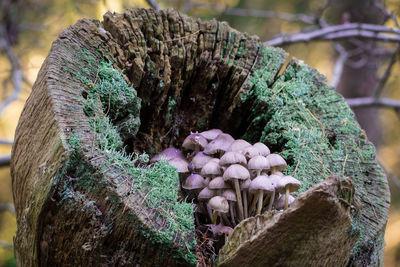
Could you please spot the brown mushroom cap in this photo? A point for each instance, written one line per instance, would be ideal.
(218, 183)
(290, 182)
(193, 141)
(280, 202)
(219, 204)
(258, 163)
(277, 162)
(236, 171)
(212, 169)
(211, 134)
(180, 164)
(231, 157)
(200, 159)
(261, 183)
(194, 181)
(229, 194)
(220, 144)
(206, 194)
(264, 150)
(168, 154)
(238, 145)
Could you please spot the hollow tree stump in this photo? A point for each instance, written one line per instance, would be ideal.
(140, 82)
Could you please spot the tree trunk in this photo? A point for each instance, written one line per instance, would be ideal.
(85, 195)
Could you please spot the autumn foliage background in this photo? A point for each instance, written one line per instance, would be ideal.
(38, 23)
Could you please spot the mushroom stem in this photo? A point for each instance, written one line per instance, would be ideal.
(273, 170)
(214, 220)
(245, 205)
(253, 204)
(271, 201)
(239, 199)
(232, 214)
(287, 197)
(225, 219)
(260, 201)
(209, 212)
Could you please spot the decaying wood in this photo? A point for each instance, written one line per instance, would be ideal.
(190, 75)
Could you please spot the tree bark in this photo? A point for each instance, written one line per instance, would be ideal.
(81, 200)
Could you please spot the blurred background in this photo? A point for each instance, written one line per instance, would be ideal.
(361, 65)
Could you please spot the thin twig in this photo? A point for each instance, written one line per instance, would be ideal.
(339, 65)
(373, 102)
(5, 160)
(7, 207)
(336, 32)
(387, 73)
(153, 4)
(6, 245)
(6, 142)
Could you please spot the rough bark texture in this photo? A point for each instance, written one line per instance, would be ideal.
(82, 200)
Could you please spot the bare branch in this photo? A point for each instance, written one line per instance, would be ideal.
(5, 160)
(386, 75)
(16, 72)
(373, 102)
(309, 19)
(6, 245)
(6, 142)
(338, 69)
(7, 206)
(336, 32)
(153, 4)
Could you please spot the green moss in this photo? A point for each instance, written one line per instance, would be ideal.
(113, 109)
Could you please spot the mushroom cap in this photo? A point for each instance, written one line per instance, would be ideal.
(238, 145)
(261, 183)
(245, 185)
(231, 157)
(220, 144)
(264, 150)
(194, 181)
(275, 179)
(279, 173)
(229, 194)
(212, 168)
(219, 204)
(200, 159)
(168, 154)
(280, 202)
(290, 182)
(218, 183)
(206, 194)
(193, 140)
(211, 134)
(276, 161)
(236, 171)
(180, 164)
(258, 163)
(251, 152)
(226, 230)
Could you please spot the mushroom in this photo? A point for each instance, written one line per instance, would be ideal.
(231, 157)
(275, 179)
(264, 150)
(211, 169)
(194, 182)
(276, 162)
(250, 152)
(230, 195)
(211, 134)
(286, 185)
(218, 204)
(238, 145)
(180, 164)
(258, 163)
(245, 189)
(225, 230)
(168, 154)
(281, 202)
(199, 160)
(219, 145)
(204, 195)
(218, 184)
(194, 142)
(235, 173)
(260, 185)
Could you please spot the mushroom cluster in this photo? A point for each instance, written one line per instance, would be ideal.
(231, 179)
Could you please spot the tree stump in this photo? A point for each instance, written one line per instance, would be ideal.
(139, 82)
